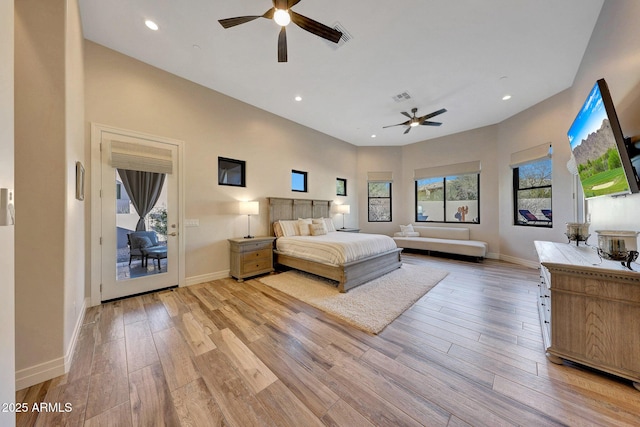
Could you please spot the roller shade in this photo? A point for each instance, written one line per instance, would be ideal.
(529, 155)
(448, 170)
(380, 176)
(131, 156)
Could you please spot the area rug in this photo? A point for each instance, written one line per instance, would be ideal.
(371, 306)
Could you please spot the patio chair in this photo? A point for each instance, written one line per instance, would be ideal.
(547, 213)
(529, 217)
(139, 241)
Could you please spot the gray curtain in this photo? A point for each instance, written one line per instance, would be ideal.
(144, 190)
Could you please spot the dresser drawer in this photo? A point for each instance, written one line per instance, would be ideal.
(257, 266)
(253, 246)
(252, 256)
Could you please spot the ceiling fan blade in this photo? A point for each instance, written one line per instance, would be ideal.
(314, 27)
(280, 4)
(404, 113)
(399, 124)
(427, 123)
(407, 131)
(232, 22)
(435, 113)
(282, 45)
(292, 3)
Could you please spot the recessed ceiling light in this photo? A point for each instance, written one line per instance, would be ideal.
(298, 98)
(506, 97)
(373, 136)
(151, 25)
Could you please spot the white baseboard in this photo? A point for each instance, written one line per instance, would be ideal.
(194, 280)
(47, 370)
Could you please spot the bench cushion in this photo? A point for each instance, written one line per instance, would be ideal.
(452, 246)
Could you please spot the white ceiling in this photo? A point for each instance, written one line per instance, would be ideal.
(462, 55)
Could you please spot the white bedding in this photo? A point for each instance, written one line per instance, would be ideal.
(335, 247)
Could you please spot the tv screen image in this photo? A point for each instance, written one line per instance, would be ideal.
(595, 148)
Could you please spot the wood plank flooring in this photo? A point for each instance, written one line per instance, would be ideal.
(242, 354)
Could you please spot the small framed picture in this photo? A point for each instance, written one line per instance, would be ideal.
(341, 187)
(231, 172)
(79, 181)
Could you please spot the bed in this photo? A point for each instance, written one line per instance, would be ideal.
(349, 273)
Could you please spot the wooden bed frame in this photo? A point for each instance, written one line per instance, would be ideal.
(347, 275)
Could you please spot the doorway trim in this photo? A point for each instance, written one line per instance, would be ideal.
(96, 212)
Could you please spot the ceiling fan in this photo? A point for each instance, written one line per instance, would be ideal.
(282, 14)
(416, 121)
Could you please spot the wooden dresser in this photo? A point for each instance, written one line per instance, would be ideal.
(589, 309)
(251, 257)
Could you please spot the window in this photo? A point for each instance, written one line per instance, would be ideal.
(448, 199)
(298, 181)
(341, 187)
(532, 194)
(231, 172)
(379, 201)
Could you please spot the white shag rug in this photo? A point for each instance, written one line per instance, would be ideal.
(371, 306)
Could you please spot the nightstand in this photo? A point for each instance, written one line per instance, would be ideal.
(251, 257)
(349, 230)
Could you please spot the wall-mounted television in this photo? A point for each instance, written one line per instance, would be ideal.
(602, 155)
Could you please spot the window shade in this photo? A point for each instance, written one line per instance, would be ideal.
(447, 170)
(529, 155)
(380, 176)
(131, 156)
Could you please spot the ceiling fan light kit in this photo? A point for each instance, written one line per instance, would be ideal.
(282, 15)
(416, 121)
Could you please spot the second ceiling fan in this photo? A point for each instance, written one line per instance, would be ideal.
(282, 14)
(416, 121)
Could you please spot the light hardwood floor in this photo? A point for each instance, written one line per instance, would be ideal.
(241, 354)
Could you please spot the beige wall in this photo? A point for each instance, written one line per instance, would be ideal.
(129, 94)
(612, 54)
(7, 246)
(379, 159)
(478, 144)
(50, 222)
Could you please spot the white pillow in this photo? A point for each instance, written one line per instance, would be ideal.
(289, 227)
(404, 229)
(329, 224)
(318, 229)
(303, 226)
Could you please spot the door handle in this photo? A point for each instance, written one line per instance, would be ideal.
(173, 234)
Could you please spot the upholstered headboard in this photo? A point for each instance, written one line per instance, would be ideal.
(286, 209)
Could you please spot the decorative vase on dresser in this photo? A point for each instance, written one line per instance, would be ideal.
(251, 256)
(589, 309)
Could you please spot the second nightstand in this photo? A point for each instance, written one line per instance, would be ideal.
(251, 257)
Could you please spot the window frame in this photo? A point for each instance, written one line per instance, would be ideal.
(241, 180)
(342, 181)
(304, 181)
(390, 197)
(444, 201)
(516, 189)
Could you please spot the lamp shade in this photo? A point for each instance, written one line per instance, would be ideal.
(343, 209)
(249, 208)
